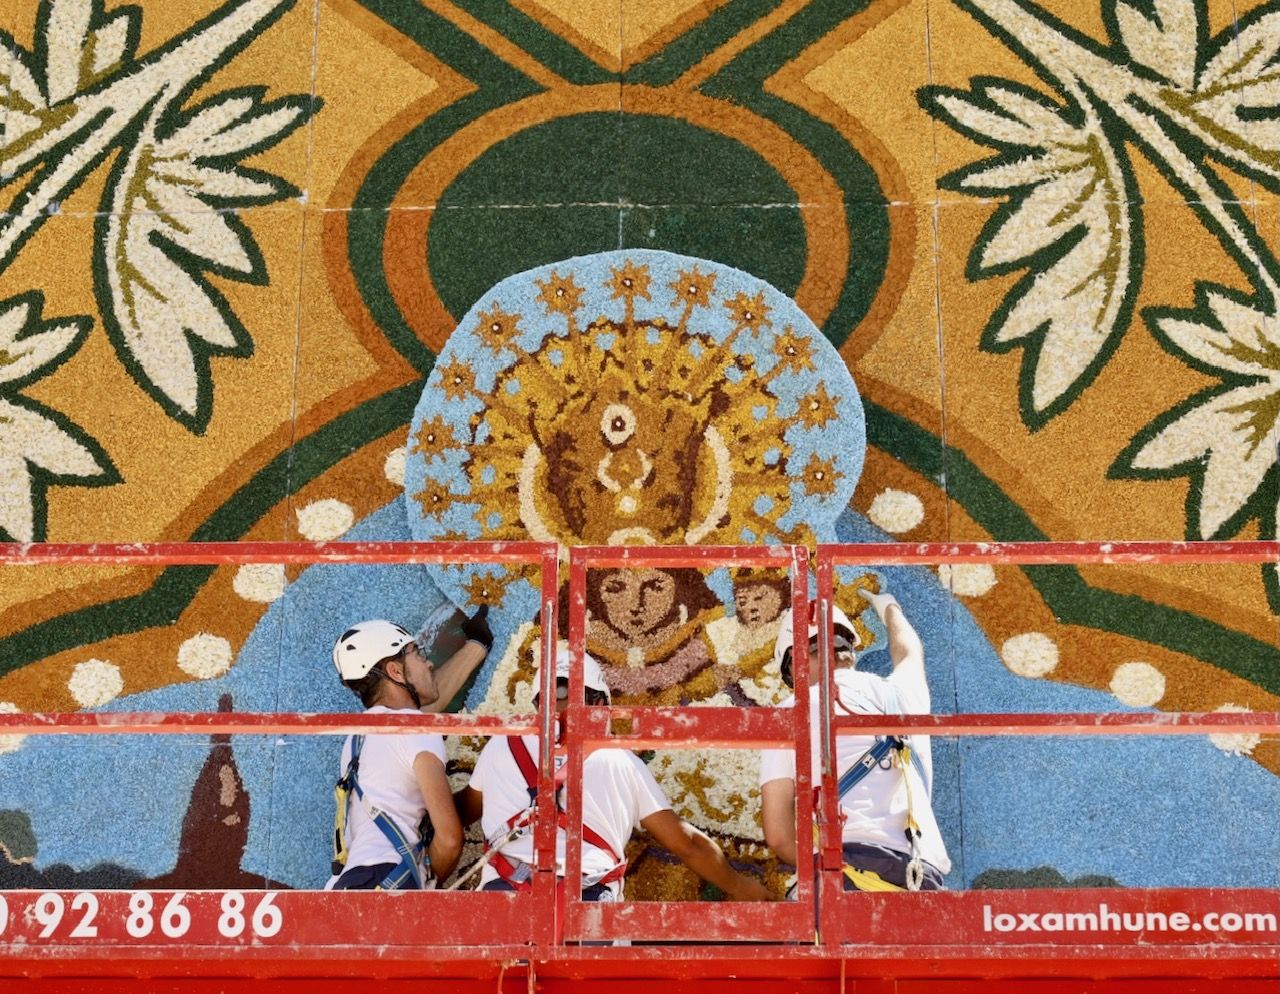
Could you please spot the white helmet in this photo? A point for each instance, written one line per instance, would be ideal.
(786, 635)
(362, 647)
(592, 675)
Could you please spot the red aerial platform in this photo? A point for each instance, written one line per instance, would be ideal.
(1135, 940)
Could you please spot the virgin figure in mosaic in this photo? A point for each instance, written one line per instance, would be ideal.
(632, 398)
(639, 398)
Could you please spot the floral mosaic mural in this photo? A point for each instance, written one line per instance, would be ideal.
(680, 273)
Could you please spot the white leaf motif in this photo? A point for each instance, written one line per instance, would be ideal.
(1235, 431)
(1026, 171)
(24, 355)
(163, 230)
(111, 45)
(1246, 55)
(1168, 47)
(29, 438)
(1232, 107)
(1044, 119)
(255, 129)
(1046, 215)
(1068, 221)
(1246, 343)
(21, 99)
(1076, 298)
(158, 304)
(997, 127)
(66, 36)
(187, 175)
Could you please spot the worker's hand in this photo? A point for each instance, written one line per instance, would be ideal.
(881, 602)
(751, 889)
(476, 628)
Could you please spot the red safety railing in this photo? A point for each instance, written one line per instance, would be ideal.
(954, 927)
(824, 934)
(106, 925)
(632, 727)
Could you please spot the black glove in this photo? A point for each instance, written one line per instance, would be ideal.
(476, 628)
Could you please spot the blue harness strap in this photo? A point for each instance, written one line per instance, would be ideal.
(865, 763)
(406, 874)
(873, 757)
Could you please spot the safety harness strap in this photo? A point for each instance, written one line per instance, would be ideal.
(408, 872)
(864, 764)
(529, 770)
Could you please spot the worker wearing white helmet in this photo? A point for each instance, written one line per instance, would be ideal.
(396, 826)
(891, 838)
(619, 795)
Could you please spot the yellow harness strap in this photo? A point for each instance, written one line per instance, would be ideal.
(864, 880)
(867, 880)
(340, 796)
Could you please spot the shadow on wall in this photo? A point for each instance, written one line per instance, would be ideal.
(1039, 877)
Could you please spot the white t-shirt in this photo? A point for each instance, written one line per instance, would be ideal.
(875, 811)
(386, 776)
(618, 792)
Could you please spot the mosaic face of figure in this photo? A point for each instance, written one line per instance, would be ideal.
(757, 604)
(641, 466)
(637, 601)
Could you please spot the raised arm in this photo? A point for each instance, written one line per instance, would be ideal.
(454, 671)
(696, 851)
(904, 643)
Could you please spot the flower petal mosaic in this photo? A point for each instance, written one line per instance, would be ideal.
(944, 271)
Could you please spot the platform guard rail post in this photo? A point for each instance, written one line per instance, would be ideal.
(630, 727)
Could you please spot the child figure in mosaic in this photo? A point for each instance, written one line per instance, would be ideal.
(745, 641)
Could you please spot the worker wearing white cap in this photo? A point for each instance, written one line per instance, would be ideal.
(619, 795)
(396, 826)
(890, 836)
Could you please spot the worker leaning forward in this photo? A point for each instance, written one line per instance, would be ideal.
(396, 826)
(891, 838)
(619, 794)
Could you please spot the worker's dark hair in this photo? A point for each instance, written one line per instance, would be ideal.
(845, 642)
(593, 697)
(366, 687)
